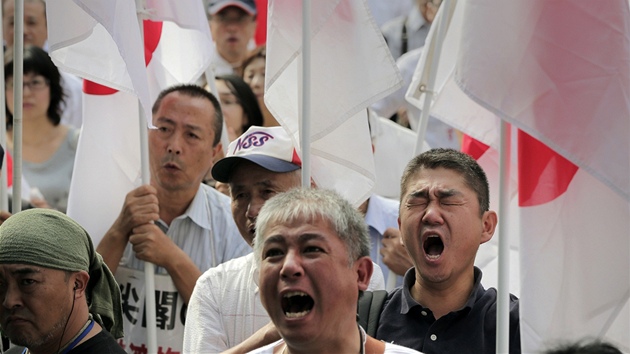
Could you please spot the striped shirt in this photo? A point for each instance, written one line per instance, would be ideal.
(206, 232)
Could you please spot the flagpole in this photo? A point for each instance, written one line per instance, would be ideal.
(503, 282)
(305, 131)
(209, 75)
(4, 200)
(18, 80)
(428, 88)
(149, 268)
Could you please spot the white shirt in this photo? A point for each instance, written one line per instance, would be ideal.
(225, 306)
(385, 10)
(382, 213)
(417, 31)
(206, 232)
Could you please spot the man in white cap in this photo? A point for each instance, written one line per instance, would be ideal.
(225, 307)
(232, 24)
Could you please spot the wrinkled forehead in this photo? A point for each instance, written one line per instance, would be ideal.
(436, 179)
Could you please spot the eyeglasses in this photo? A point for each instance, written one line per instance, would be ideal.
(227, 20)
(36, 84)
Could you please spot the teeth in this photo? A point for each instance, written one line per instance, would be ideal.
(295, 293)
(297, 314)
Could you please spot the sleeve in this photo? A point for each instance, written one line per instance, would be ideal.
(204, 332)
(377, 282)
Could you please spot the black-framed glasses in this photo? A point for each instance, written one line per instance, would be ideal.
(36, 84)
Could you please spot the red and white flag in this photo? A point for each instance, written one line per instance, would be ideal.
(102, 43)
(351, 68)
(560, 71)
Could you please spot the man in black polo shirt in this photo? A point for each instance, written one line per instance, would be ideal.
(444, 217)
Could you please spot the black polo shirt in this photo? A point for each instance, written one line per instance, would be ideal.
(471, 329)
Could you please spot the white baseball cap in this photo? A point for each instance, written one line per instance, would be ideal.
(269, 147)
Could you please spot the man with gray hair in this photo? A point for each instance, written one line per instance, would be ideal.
(57, 294)
(225, 309)
(313, 251)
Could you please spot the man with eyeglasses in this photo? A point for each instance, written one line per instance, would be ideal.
(232, 24)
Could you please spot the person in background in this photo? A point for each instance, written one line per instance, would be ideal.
(239, 105)
(409, 32)
(312, 248)
(36, 33)
(57, 294)
(584, 347)
(232, 25)
(254, 75)
(48, 146)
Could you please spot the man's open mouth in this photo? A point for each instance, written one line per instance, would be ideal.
(296, 304)
(433, 246)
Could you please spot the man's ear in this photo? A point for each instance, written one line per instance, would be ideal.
(364, 268)
(79, 283)
(217, 151)
(489, 224)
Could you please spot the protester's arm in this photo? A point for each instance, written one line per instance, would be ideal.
(150, 244)
(266, 335)
(140, 207)
(394, 254)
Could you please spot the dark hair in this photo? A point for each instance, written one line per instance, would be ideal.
(585, 347)
(36, 61)
(246, 98)
(258, 52)
(195, 91)
(454, 160)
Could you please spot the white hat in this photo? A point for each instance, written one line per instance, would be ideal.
(269, 147)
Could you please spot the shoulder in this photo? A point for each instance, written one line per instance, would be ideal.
(267, 349)
(101, 343)
(73, 137)
(218, 202)
(230, 271)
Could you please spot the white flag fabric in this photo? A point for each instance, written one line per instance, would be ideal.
(177, 50)
(351, 68)
(559, 70)
(101, 43)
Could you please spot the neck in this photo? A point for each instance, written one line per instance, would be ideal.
(442, 298)
(174, 203)
(73, 330)
(346, 341)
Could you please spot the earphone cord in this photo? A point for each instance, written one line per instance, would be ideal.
(74, 291)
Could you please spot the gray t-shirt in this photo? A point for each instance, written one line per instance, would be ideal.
(52, 177)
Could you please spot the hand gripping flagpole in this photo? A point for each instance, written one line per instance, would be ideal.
(149, 268)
